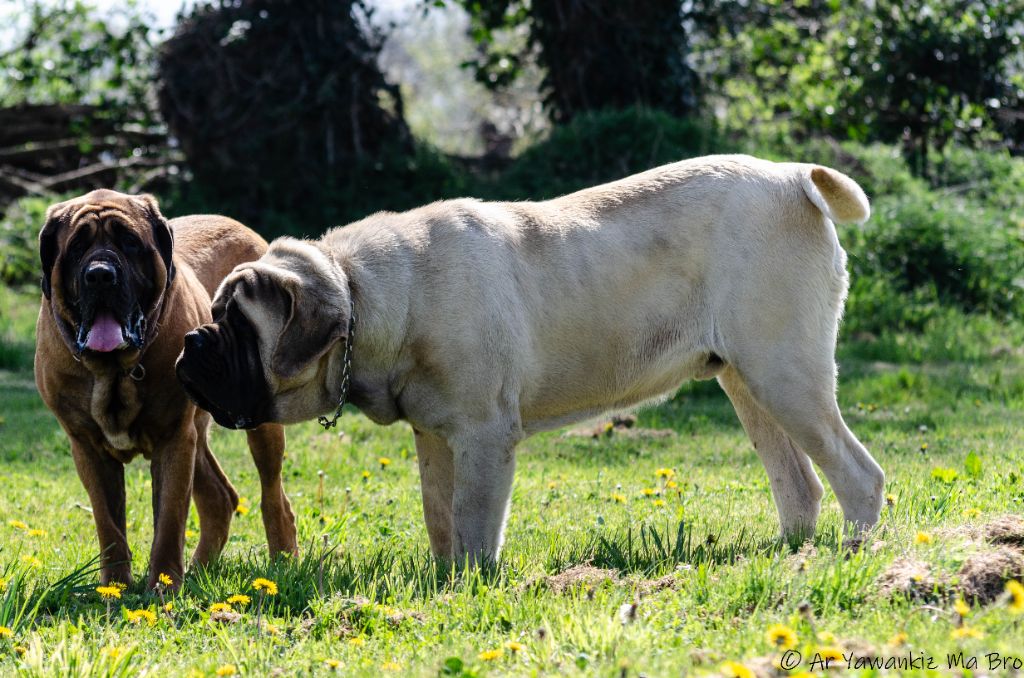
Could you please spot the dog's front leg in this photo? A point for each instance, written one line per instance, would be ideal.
(484, 466)
(437, 478)
(172, 468)
(103, 477)
(266, 444)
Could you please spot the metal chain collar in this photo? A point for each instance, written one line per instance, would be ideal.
(346, 374)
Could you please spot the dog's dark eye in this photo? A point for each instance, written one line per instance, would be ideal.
(130, 245)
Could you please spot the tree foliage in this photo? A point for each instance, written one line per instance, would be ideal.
(66, 53)
(918, 72)
(279, 105)
(597, 54)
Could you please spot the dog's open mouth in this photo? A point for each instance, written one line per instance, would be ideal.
(104, 333)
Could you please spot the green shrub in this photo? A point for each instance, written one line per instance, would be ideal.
(603, 146)
(395, 180)
(19, 232)
(934, 250)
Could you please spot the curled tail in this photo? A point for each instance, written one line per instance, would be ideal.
(837, 196)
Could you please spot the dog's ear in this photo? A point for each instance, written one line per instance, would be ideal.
(162, 234)
(55, 220)
(308, 333)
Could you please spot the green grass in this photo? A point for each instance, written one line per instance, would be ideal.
(386, 607)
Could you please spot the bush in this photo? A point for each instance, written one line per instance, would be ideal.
(602, 146)
(19, 231)
(285, 118)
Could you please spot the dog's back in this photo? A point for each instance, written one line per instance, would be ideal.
(213, 245)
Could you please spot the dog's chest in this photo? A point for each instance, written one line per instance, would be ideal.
(115, 404)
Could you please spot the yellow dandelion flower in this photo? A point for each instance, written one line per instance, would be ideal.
(671, 484)
(139, 616)
(664, 473)
(391, 666)
(17, 524)
(332, 664)
(272, 629)
(112, 651)
(32, 561)
(966, 632)
(922, 538)
(553, 485)
(648, 491)
(781, 636)
(972, 513)
(366, 475)
(226, 670)
(384, 462)
(826, 637)
(20, 650)
(962, 608)
(241, 510)
(619, 498)
(265, 585)
(890, 499)
(168, 607)
(165, 579)
(491, 655)
(358, 641)
(658, 502)
(3, 584)
(36, 532)
(5, 632)
(109, 592)
(239, 599)
(924, 446)
(513, 646)
(190, 534)
(1016, 591)
(898, 640)
(220, 607)
(736, 670)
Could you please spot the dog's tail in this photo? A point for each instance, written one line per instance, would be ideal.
(837, 196)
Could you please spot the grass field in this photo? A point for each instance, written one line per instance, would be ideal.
(609, 568)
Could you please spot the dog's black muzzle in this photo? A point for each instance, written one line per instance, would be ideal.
(207, 375)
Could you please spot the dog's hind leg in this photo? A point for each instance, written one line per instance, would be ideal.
(795, 486)
(437, 478)
(266, 444)
(214, 496)
(798, 392)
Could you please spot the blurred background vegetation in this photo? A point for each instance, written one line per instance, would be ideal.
(295, 116)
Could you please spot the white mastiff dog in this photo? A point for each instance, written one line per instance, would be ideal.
(481, 323)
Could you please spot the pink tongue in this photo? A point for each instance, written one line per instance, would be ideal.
(105, 334)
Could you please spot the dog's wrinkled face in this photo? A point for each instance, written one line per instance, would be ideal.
(106, 259)
(265, 356)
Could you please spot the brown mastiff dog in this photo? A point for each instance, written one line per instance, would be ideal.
(121, 287)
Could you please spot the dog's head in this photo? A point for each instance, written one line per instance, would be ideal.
(107, 261)
(266, 355)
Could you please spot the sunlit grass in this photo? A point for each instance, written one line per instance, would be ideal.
(681, 532)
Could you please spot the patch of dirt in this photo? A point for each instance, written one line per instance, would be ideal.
(576, 577)
(983, 576)
(225, 617)
(396, 617)
(1008, 529)
(619, 425)
(669, 582)
(911, 578)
